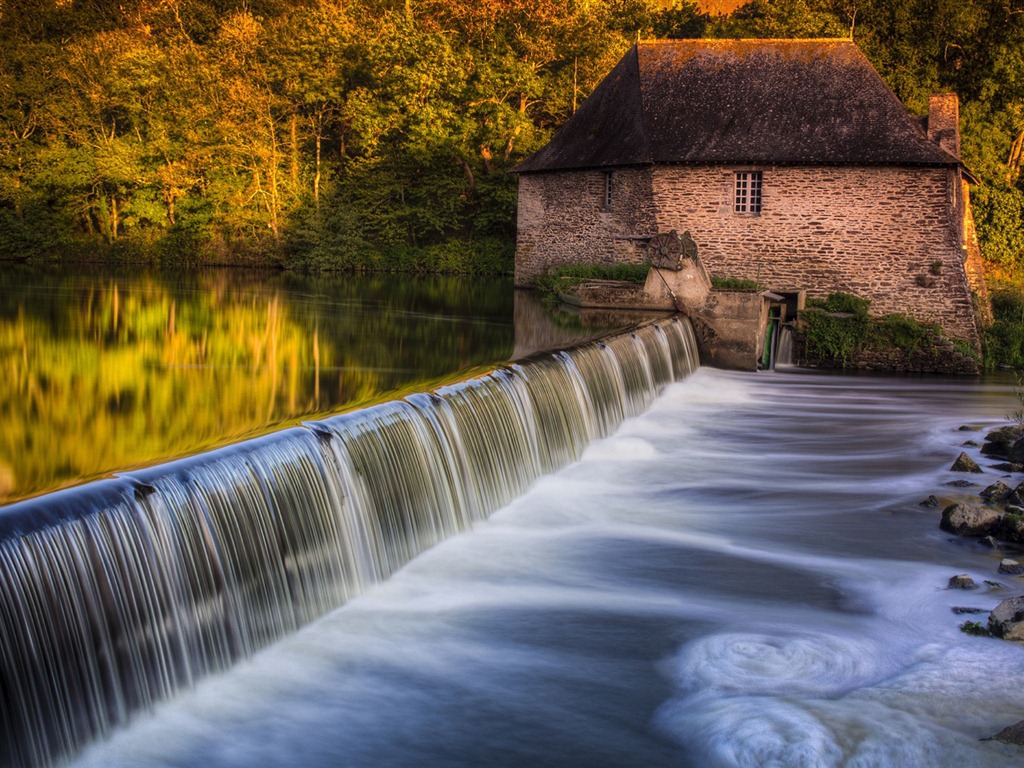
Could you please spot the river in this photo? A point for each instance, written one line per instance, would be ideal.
(740, 576)
(153, 365)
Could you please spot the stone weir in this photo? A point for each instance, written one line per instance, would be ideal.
(121, 592)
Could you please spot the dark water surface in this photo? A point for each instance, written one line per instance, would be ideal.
(742, 576)
(103, 370)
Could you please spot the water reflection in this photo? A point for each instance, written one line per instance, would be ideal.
(102, 371)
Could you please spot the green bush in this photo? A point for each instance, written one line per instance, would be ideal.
(903, 332)
(1003, 340)
(842, 302)
(833, 337)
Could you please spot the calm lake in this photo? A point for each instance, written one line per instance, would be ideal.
(103, 370)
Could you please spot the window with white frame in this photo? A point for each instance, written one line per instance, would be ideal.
(748, 192)
(607, 189)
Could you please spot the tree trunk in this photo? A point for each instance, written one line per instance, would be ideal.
(316, 176)
(294, 135)
(468, 172)
(1015, 160)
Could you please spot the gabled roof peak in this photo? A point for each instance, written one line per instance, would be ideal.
(740, 101)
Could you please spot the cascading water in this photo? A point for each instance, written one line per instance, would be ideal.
(117, 594)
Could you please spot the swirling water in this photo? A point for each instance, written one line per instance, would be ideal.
(741, 576)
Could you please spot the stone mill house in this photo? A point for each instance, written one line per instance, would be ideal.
(789, 162)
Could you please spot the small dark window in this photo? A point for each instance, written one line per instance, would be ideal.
(607, 189)
(748, 192)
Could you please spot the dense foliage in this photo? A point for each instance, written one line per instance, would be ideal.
(376, 134)
(838, 331)
(1004, 338)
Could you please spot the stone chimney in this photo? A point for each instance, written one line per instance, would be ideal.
(944, 121)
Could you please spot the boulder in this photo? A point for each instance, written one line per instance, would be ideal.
(1010, 567)
(969, 520)
(1008, 467)
(1015, 453)
(1011, 734)
(962, 581)
(961, 484)
(1007, 619)
(1012, 527)
(931, 502)
(998, 491)
(999, 441)
(965, 463)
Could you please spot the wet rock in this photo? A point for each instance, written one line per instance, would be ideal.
(970, 428)
(965, 463)
(931, 502)
(994, 584)
(998, 491)
(961, 483)
(989, 541)
(999, 441)
(1007, 619)
(962, 581)
(1011, 734)
(1016, 496)
(1009, 467)
(961, 610)
(971, 444)
(969, 520)
(1010, 567)
(1012, 528)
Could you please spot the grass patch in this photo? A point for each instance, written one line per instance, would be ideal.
(566, 278)
(735, 284)
(974, 628)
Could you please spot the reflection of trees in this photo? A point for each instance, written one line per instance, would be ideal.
(106, 373)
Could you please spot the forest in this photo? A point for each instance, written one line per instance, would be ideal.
(378, 135)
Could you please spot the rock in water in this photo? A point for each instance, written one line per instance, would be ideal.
(968, 520)
(965, 463)
(962, 581)
(996, 492)
(1007, 619)
(1011, 734)
(931, 502)
(1011, 567)
(999, 441)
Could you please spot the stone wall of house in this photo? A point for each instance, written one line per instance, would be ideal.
(891, 235)
(563, 219)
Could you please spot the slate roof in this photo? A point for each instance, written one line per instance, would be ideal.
(740, 102)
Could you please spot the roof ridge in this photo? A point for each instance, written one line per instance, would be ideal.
(658, 40)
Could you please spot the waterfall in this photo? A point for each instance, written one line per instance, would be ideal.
(784, 353)
(118, 593)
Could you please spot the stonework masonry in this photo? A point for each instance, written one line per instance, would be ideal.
(563, 219)
(894, 235)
